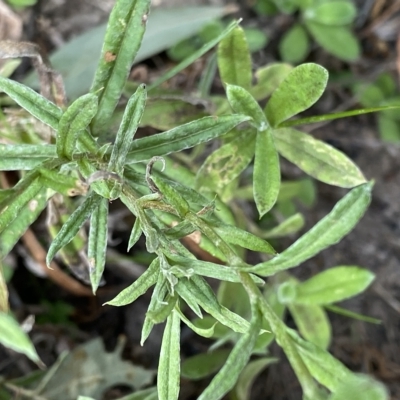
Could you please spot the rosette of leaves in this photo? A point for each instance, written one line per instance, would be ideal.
(77, 162)
(328, 22)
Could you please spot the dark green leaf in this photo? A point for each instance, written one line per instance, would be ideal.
(300, 90)
(266, 175)
(183, 137)
(234, 59)
(97, 242)
(73, 224)
(317, 158)
(328, 231)
(125, 31)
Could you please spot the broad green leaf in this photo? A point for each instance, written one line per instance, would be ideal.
(237, 360)
(168, 381)
(337, 40)
(268, 79)
(183, 137)
(226, 163)
(129, 124)
(139, 287)
(75, 119)
(266, 174)
(34, 103)
(257, 39)
(16, 157)
(313, 323)
(325, 368)
(389, 129)
(360, 387)
(332, 13)
(318, 159)
(202, 365)
(97, 242)
(25, 218)
(333, 285)
(21, 198)
(328, 231)
(73, 224)
(248, 376)
(294, 46)
(124, 34)
(135, 234)
(242, 102)
(299, 91)
(13, 337)
(234, 59)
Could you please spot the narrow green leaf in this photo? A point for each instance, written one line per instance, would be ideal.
(129, 124)
(237, 360)
(13, 337)
(248, 376)
(97, 242)
(124, 34)
(65, 184)
(337, 40)
(194, 56)
(352, 314)
(75, 119)
(205, 332)
(295, 45)
(266, 174)
(139, 287)
(317, 158)
(34, 103)
(329, 117)
(164, 311)
(325, 368)
(289, 226)
(360, 387)
(313, 323)
(234, 59)
(16, 157)
(242, 102)
(21, 198)
(328, 231)
(73, 224)
(24, 219)
(300, 90)
(226, 163)
(202, 365)
(332, 13)
(333, 285)
(169, 365)
(135, 234)
(183, 137)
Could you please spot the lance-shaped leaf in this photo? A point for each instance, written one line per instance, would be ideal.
(75, 119)
(34, 103)
(234, 59)
(21, 197)
(242, 102)
(226, 163)
(139, 287)
(16, 157)
(205, 332)
(129, 124)
(333, 285)
(26, 216)
(135, 233)
(204, 364)
(61, 183)
(183, 137)
(237, 360)
(300, 90)
(125, 31)
(97, 242)
(332, 13)
(166, 307)
(328, 231)
(13, 337)
(317, 158)
(73, 224)
(267, 173)
(169, 367)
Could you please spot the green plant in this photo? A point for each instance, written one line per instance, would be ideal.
(327, 21)
(78, 161)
